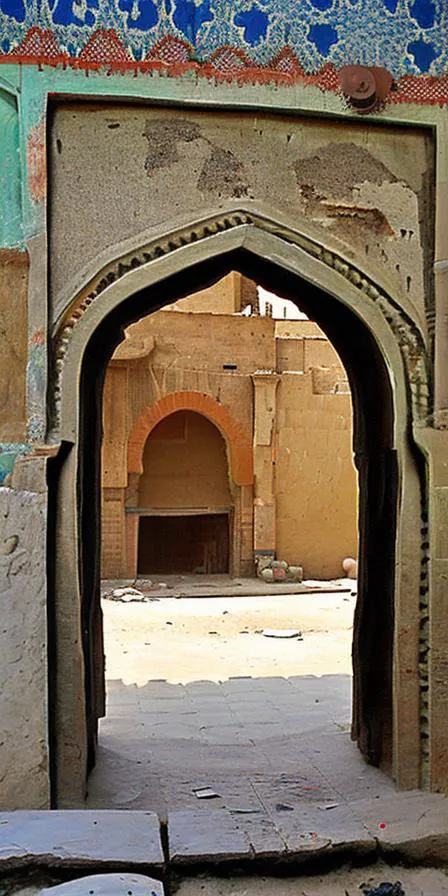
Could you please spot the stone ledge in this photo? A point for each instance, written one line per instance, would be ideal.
(201, 837)
(84, 838)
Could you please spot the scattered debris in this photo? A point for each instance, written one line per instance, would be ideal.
(271, 570)
(237, 810)
(283, 807)
(327, 806)
(384, 889)
(126, 595)
(282, 633)
(205, 793)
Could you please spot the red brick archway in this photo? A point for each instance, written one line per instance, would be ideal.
(238, 445)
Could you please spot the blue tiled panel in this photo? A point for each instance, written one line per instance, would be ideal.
(406, 36)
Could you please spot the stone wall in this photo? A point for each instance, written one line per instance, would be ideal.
(24, 747)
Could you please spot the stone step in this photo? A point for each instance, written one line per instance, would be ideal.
(412, 825)
(80, 838)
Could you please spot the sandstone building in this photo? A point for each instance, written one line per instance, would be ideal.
(226, 437)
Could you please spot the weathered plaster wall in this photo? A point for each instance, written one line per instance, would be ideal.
(185, 465)
(188, 351)
(315, 481)
(366, 188)
(24, 761)
(13, 344)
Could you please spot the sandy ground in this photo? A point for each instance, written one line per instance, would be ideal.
(343, 882)
(195, 639)
(198, 696)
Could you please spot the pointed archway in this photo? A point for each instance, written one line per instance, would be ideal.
(384, 356)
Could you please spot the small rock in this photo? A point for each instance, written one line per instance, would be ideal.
(263, 563)
(350, 567)
(126, 594)
(385, 889)
(295, 573)
(206, 793)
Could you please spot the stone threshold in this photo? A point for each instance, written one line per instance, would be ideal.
(410, 826)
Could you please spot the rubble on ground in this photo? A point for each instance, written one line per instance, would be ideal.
(278, 570)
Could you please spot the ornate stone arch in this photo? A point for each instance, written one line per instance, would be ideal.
(243, 228)
(81, 336)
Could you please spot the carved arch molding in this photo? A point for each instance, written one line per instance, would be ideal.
(407, 335)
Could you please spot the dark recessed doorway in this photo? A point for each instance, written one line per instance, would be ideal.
(196, 543)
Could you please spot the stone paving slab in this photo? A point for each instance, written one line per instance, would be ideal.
(80, 839)
(196, 837)
(412, 824)
(223, 836)
(262, 833)
(316, 829)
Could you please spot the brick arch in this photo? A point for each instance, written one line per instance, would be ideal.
(238, 446)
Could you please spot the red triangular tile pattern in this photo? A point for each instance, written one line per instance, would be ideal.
(39, 45)
(104, 49)
(229, 59)
(171, 51)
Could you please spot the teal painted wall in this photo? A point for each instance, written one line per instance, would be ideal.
(11, 229)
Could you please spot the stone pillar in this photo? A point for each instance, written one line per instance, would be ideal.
(113, 535)
(265, 387)
(114, 474)
(436, 630)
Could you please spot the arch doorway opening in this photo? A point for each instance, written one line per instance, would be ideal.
(374, 450)
(192, 387)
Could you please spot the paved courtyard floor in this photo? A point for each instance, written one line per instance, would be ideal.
(198, 697)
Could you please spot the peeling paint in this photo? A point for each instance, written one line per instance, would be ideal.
(9, 451)
(36, 378)
(35, 157)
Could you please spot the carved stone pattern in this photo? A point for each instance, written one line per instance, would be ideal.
(408, 336)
